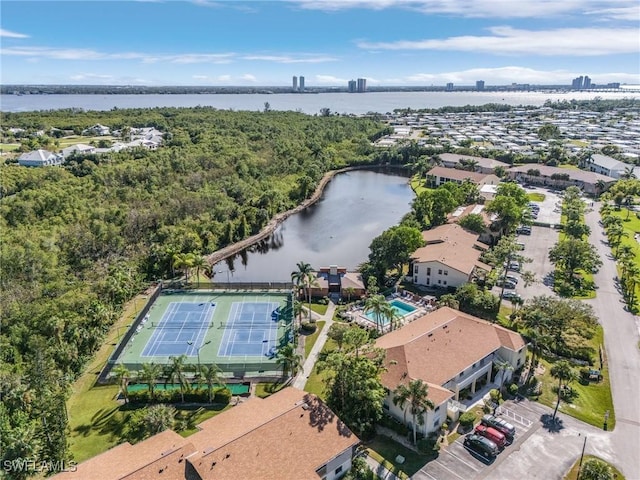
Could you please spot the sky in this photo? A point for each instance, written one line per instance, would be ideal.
(266, 43)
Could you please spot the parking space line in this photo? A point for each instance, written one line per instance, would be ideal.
(456, 456)
(512, 415)
(427, 474)
(448, 469)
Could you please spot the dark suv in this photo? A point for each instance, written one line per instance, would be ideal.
(500, 425)
(481, 445)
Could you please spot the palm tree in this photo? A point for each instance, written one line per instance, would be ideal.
(628, 173)
(301, 279)
(378, 305)
(600, 187)
(212, 375)
(175, 373)
(159, 418)
(349, 291)
(183, 261)
(416, 395)
(149, 374)
(468, 164)
(503, 367)
(200, 263)
(122, 376)
(289, 359)
(563, 371)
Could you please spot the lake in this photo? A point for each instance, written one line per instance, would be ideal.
(348, 103)
(355, 208)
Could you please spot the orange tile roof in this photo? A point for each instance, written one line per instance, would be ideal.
(171, 466)
(124, 459)
(300, 435)
(439, 345)
(453, 246)
(456, 174)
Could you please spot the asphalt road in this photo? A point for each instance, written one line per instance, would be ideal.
(622, 334)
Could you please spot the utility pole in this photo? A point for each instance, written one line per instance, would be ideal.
(582, 457)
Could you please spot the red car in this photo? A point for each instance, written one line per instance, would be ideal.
(492, 434)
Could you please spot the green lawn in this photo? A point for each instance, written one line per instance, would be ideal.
(417, 185)
(631, 227)
(592, 400)
(9, 147)
(316, 381)
(310, 340)
(568, 166)
(385, 450)
(573, 473)
(264, 389)
(319, 308)
(536, 197)
(75, 139)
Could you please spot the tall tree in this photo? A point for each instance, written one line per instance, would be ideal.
(176, 373)
(159, 418)
(289, 359)
(563, 371)
(122, 375)
(572, 254)
(378, 306)
(212, 375)
(302, 279)
(149, 374)
(415, 396)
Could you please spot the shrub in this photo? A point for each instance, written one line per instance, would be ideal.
(391, 423)
(467, 419)
(428, 445)
(222, 395)
(308, 327)
(495, 395)
(513, 389)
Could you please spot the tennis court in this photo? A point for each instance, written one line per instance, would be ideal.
(239, 331)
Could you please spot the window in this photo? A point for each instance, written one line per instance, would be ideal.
(415, 269)
(519, 360)
(446, 272)
(436, 424)
(428, 281)
(415, 279)
(437, 408)
(385, 406)
(439, 281)
(428, 271)
(474, 365)
(440, 271)
(444, 282)
(338, 470)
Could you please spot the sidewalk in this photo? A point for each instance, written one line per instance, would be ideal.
(310, 362)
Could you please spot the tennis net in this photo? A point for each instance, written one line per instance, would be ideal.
(239, 325)
(183, 326)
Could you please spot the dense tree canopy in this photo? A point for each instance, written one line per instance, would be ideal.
(78, 241)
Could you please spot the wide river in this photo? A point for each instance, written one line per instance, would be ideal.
(349, 103)
(355, 208)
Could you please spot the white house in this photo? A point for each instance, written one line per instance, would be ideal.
(454, 353)
(40, 158)
(482, 164)
(97, 129)
(449, 259)
(605, 165)
(78, 149)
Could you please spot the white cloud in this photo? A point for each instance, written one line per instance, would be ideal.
(479, 8)
(510, 74)
(90, 76)
(330, 80)
(8, 34)
(290, 59)
(631, 13)
(218, 58)
(248, 77)
(509, 41)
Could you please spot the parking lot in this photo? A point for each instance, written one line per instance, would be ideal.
(536, 247)
(456, 462)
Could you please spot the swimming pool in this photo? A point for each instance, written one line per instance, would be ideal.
(401, 308)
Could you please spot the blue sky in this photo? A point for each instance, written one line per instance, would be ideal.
(262, 43)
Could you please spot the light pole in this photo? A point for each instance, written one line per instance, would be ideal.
(198, 351)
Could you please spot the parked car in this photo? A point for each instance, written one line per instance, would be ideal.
(509, 294)
(515, 266)
(481, 445)
(520, 246)
(507, 284)
(499, 424)
(492, 434)
(523, 230)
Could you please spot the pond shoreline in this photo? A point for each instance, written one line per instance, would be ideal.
(270, 227)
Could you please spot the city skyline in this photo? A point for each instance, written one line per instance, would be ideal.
(329, 43)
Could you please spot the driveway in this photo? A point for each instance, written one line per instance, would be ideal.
(621, 339)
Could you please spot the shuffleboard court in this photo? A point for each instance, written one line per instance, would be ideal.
(239, 331)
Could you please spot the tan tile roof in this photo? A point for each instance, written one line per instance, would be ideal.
(298, 436)
(440, 345)
(482, 161)
(116, 463)
(352, 279)
(457, 174)
(452, 246)
(171, 466)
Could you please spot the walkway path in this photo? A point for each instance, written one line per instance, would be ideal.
(310, 362)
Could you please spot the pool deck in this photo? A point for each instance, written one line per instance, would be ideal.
(422, 307)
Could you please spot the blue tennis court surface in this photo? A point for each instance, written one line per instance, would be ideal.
(251, 330)
(181, 331)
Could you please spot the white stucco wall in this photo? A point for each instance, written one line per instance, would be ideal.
(453, 278)
(436, 417)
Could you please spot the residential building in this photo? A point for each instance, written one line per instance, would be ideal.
(40, 158)
(454, 354)
(287, 436)
(295, 83)
(482, 164)
(605, 165)
(301, 84)
(449, 87)
(78, 149)
(480, 85)
(352, 86)
(439, 175)
(337, 282)
(97, 129)
(555, 177)
(450, 258)
(487, 237)
(362, 85)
